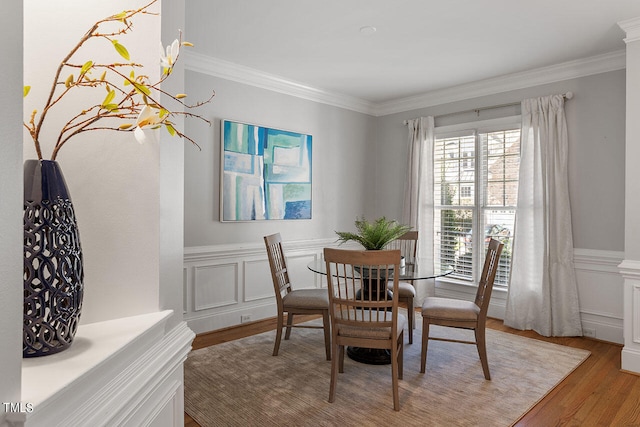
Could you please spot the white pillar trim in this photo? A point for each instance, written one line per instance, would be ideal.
(632, 28)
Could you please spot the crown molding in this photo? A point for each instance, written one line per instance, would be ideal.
(611, 61)
(250, 76)
(632, 29)
(568, 70)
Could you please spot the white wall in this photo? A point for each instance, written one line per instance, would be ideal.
(11, 205)
(342, 168)
(630, 267)
(171, 230)
(113, 180)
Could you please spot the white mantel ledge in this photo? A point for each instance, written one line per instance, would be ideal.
(111, 371)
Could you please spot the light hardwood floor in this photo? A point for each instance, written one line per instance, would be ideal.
(597, 393)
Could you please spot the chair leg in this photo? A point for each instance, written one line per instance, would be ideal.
(335, 361)
(289, 323)
(400, 356)
(425, 342)
(482, 351)
(411, 314)
(394, 374)
(341, 359)
(278, 334)
(327, 333)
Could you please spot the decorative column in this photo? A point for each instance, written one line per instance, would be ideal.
(630, 267)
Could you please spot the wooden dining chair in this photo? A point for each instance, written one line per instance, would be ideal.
(298, 301)
(408, 245)
(363, 313)
(464, 314)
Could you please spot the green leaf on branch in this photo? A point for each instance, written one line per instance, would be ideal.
(86, 67)
(69, 81)
(25, 90)
(109, 98)
(121, 50)
(170, 129)
(142, 89)
(111, 107)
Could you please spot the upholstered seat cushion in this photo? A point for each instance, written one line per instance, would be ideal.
(405, 289)
(450, 309)
(306, 298)
(371, 332)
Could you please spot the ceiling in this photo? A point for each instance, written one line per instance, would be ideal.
(419, 46)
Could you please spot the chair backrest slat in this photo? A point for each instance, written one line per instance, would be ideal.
(408, 245)
(277, 264)
(485, 285)
(358, 286)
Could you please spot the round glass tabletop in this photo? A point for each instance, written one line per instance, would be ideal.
(407, 273)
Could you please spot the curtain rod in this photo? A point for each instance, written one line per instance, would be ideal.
(567, 95)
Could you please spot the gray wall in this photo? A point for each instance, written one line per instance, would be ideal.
(359, 161)
(595, 120)
(342, 153)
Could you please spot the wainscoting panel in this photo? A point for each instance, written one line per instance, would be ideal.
(225, 285)
(300, 275)
(257, 284)
(228, 284)
(215, 285)
(600, 289)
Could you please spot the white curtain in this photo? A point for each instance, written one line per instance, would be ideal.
(418, 195)
(543, 294)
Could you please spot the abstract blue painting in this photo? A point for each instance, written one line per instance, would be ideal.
(266, 173)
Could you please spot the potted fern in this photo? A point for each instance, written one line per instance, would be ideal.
(374, 235)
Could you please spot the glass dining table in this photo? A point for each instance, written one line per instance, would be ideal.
(407, 273)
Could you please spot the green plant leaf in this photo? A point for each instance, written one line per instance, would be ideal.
(26, 90)
(142, 89)
(170, 128)
(109, 98)
(374, 235)
(110, 107)
(121, 50)
(86, 67)
(69, 81)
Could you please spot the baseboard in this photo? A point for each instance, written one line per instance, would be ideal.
(631, 360)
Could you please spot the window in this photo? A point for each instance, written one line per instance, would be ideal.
(475, 192)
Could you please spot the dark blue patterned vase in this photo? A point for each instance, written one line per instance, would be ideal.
(53, 273)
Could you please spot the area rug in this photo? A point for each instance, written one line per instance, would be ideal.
(239, 383)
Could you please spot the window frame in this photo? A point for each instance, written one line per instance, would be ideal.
(475, 129)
